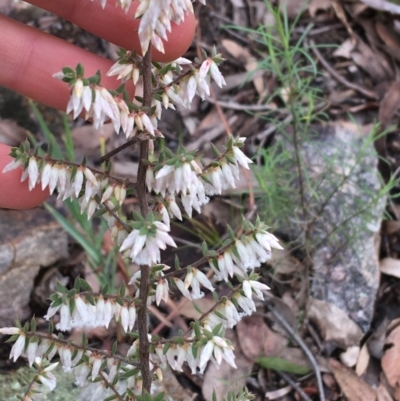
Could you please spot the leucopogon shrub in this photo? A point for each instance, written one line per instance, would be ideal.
(179, 183)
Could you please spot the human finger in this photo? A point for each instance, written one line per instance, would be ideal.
(13, 193)
(118, 27)
(29, 58)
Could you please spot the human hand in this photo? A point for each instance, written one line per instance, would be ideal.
(29, 58)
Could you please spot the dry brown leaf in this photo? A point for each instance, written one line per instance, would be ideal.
(389, 105)
(345, 49)
(383, 394)
(189, 311)
(274, 395)
(383, 5)
(290, 302)
(388, 36)
(248, 60)
(390, 226)
(363, 360)
(284, 263)
(87, 138)
(371, 61)
(315, 5)
(354, 388)
(334, 324)
(257, 339)
(223, 379)
(292, 7)
(390, 266)
(125, 169)
(11, 133)
(391, 358)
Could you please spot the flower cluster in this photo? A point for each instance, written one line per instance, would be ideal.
(181, 182)
(245, 254)
(197, 82)
(146, 240)
(77, 312)
(88, 310)
(71, 181)
(182, 176)
(100, 105)
(86, 364)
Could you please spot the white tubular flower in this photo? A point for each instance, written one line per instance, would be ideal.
(12, 166)
(96, 361)
(31, 352)
(104, 107)
(146, 122)
(48, 380)
(247, 304)
(162, 291)
(33, 173)
(176, 357)
(145, 248)
(162, 210)
(81, 373)
(228, 310)
(239, 156)
(65, 318)
(193, 279)
(81, 98)
(267, 240)
(120, 193)
(218, 348)
(250, 285)
(124, 317)
(216, 74)
(18, 346)
(107, 193)
(190, 359)
(173, 208)
(204, 68)
(132, 317)
(65, 358)
(108, 313)
(181, 287)
(78, 182)
(46, 172)
(125, 71)
(82, 309)
(10, 330)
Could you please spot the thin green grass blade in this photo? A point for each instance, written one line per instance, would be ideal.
(50, 138)
(86, 245)
(69, 144)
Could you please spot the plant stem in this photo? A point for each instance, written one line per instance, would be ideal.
(144, 209)
(115, 151)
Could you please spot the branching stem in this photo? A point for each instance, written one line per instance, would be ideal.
(144, 209)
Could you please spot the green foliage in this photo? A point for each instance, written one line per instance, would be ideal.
(290, 193)
(276, 363)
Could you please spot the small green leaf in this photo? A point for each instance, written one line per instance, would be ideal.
(85, 285)
(197, 307)
(122, 290)
(204, 248)
(114, 348)
(280, 364)
(80, 71)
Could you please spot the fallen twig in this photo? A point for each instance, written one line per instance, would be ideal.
(295, 386)
(283, 322)
(338, 77)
